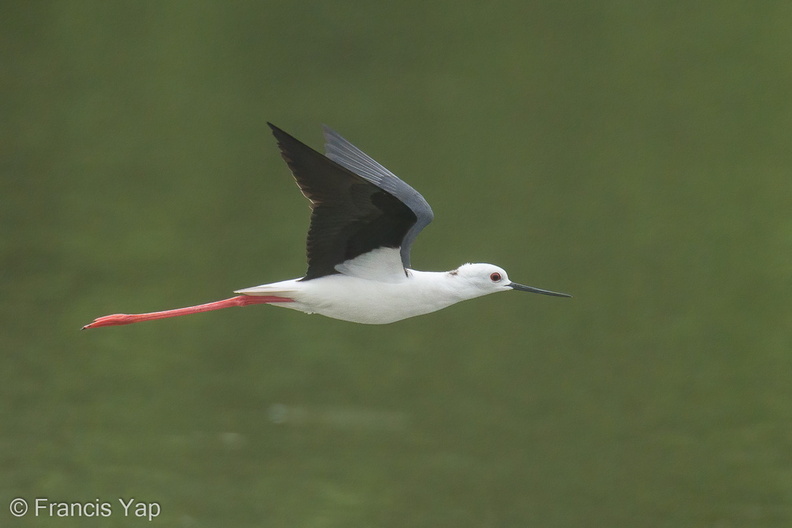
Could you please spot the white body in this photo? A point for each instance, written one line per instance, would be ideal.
(367, 301)
(375, 289)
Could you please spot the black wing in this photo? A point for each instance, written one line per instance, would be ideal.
(345, 153)
(352, 215)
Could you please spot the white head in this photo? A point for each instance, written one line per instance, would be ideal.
(483, 279)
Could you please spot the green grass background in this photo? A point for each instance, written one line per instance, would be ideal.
(634, 154)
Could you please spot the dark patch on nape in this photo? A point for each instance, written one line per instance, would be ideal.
(454, 272)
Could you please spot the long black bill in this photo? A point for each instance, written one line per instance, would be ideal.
(521, 287)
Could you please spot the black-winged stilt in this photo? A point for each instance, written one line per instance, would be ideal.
(363, 224)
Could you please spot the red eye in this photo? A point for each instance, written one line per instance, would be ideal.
(495, 277)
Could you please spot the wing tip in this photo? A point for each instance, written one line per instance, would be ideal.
(276, 130)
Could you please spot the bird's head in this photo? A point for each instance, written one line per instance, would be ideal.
(483, 279)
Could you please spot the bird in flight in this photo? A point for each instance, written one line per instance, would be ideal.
(364, 220)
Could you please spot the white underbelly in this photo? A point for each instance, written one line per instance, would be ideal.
(367, 302)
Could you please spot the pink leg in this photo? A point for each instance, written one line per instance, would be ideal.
(240, 300)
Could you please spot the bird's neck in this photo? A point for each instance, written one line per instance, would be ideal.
(443, 285)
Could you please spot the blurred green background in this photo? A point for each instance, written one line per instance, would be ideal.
(634, 154)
